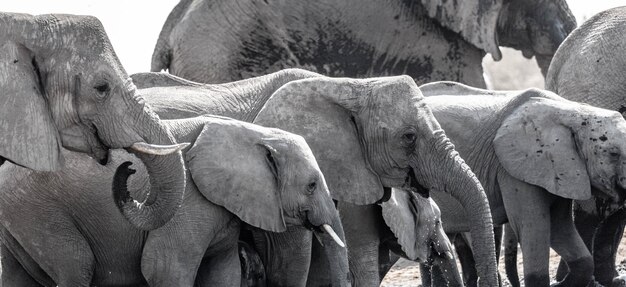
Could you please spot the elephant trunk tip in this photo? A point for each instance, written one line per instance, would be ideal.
(121, 196)
(128, 206)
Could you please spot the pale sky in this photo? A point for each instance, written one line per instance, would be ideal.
(133, 26)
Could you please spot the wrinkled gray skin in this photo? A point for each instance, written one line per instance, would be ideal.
(361, 147)
(590, 67)
(76, 236)
(61, 85)
(219, 41)
(534, 152)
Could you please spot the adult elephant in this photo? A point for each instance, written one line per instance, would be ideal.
(238, 172)
(61, 85)
(590, 67)
(219, 41)
(362, 148)
(534, 152)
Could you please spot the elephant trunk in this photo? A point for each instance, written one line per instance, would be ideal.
(458, 179)
(166, 173)
(337, 255)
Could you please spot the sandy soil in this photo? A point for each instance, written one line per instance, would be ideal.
(406, 273)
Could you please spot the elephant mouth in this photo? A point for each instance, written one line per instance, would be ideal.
(99, 150)
(318, 230)
(412, 184)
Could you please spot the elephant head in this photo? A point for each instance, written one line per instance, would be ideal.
(565, 147)
(267, 177)
(416, 222)
(369, 134)
(63, 86)
(536, 27)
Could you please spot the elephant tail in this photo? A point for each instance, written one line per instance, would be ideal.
(162, 55)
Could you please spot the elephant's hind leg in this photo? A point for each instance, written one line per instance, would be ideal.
(567, 242)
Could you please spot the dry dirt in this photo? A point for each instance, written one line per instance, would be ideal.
(406, 273)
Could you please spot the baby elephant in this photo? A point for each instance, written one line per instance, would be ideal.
(62, 228)
(418, 233)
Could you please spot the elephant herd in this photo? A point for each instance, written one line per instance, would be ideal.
(312, 143)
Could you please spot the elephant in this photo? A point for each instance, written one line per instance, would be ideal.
(430, 40)
(61, 86)
(237, 172)
(368, 135)
(534, 152)
(418, 232)
(589, 68)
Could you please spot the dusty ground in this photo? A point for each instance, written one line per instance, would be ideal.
(406, 273)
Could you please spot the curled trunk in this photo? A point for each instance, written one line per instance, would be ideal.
(458, 179)
(167, 180)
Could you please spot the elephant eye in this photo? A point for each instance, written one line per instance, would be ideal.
(102, 88)
(409, 137)
(310, 188)
(614, 154)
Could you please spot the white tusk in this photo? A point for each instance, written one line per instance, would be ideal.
(334, 235)
(155, 149)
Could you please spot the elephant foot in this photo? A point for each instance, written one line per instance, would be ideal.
(619, 281)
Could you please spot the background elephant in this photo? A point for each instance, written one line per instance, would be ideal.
(590, 67)
(238, 171)
(360, 156)
(62, 85)
(534, 152)
(430, 40)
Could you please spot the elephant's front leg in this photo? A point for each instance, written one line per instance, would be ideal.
(362, 225)
(172, 254)
(286, 255)
(567, 242)
(528, 210)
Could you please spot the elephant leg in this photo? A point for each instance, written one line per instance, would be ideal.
(286, 255)
(362, 225)
(13, 273)
(58, 248)
(16, 254)
(587, 219)
(426, 274)
(605, 245)
(510, 256)
(220, 269)
(466, 258)
(528, 210)
(252, 269)
(567, 242)
(173, 253)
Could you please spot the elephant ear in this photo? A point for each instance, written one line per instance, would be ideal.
(474, 20)
(400, 214)
(28, 136)
(533, 147)
(234, 167)
(321, 110)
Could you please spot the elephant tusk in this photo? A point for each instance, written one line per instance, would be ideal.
(154, 149)
(334, 235)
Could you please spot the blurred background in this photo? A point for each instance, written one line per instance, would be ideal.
(133, 27)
